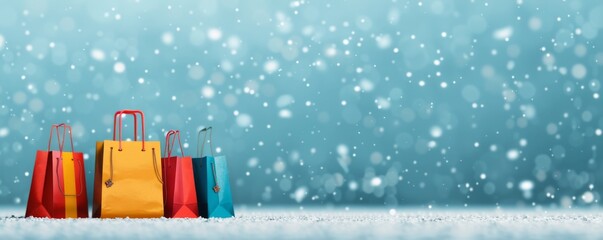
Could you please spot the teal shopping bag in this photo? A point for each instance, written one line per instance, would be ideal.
(211, 182)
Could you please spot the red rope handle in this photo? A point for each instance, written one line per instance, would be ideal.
(60, 158)
(61, 142)
(134, 112)
(174, 133)
(65, 127)
(119, 113)
(168, 136)
(50, 138)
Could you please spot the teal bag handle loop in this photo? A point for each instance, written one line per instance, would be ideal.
(211, 147)
(216, 187)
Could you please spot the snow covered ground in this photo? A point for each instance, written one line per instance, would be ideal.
(315, 223)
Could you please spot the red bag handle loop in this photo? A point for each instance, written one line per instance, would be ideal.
(58, 136)
(80, 179)
(168, 139)
(60, 158)
(65, 127)
(133, 112)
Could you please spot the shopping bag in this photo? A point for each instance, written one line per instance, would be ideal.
(58, 184)
(127, 178)
(179, 196)
(211, 182)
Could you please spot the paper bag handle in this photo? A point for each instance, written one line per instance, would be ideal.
(168, 139)
(60, 157)
(82, 172)
(204, 130)
(56, 126)
(133, 112)
(119, 113)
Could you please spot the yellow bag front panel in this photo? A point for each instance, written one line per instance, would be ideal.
(137, 191)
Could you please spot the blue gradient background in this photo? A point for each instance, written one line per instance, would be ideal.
(433, 103)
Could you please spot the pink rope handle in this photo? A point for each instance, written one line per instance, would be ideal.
(119, 113)
(134, 112)
(60, 158)
(65, 127)
(61, 142)
(177, 133)
(174, 133)
(168, 137)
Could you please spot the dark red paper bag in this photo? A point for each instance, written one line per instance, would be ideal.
(179, 195)
(58, 186)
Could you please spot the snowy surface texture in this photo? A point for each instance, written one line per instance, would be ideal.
(327, 224)
(322, 102)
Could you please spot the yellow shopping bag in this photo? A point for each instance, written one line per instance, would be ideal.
(127, 180)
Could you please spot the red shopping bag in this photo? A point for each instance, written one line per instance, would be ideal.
(179, 193)
(58, 185)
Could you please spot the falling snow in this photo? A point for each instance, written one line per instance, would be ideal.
(429, 103)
